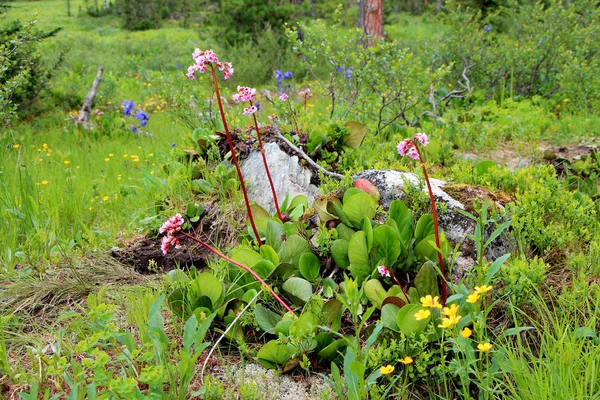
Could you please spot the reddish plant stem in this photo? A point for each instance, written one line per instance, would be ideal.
(264, 157)
(234, 157)
(436, 228)
(242, 266)
(293, 116)
(398, 283)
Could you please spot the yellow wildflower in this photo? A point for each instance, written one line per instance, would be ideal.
(406, 360)
(44, 182)
(430, 302)
(111, 154)
(16, 146)
(116, 196)
(107, 159)
(466, 333)
(448, 322)
(566, 100)
(66, 162)
(484, 347)
(388, 369)
(105, 198)
(151, 155)
(450, 311)
(422, 314)
(125, 155)
(472, 298)
(482, 289)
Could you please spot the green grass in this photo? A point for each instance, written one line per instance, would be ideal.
(64, 200)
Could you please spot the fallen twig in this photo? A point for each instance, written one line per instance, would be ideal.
(305, 156)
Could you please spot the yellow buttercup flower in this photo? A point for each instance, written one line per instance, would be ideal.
(406, 360)
(16, 146)
(430, 302)
(482, 289)
(472, 298)
(44, 182)
(107, 159)
(450, 311)
(466, 333)
(386, 370)
(422, 314)
(484, 347)
(105, 198)
(66, 162)
(448, 322)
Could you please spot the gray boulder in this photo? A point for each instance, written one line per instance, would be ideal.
(456, 226)
(289, 177)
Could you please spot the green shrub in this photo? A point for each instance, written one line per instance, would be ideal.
(22, 75)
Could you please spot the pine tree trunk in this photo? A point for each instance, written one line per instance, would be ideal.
(370, 18)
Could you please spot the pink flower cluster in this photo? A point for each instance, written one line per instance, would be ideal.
(274, 118)
(170, 226)
(283, 97)
(250, 110)
(407, 147)
(203, 58)
(305, 93)
(383, 270)
(244, 94)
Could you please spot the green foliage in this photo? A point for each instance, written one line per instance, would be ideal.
(23, 74)
(239, 21)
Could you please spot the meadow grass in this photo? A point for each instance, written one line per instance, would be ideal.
(63, 197)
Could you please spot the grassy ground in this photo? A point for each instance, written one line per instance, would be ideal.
(68, 196)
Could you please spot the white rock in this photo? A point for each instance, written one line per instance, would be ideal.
(289, 177)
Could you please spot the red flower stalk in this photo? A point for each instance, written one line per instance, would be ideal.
(234, 156)
(410, 147)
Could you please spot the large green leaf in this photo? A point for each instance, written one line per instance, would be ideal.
(245, 256)
(274, 232)
(273, 354)
(402, 215)
(406, 320)
(359, 206)
(339, 253)
(426, 280)
(269, 253)
(266, 319)
(292, 249)
(206, 284)
(357, 134)
(389, 313)
(375, 292)
(263, 268)
(426, 249)
(424, 227)
(388, 244)
(298, 289)
(309, 266)
(358, 254)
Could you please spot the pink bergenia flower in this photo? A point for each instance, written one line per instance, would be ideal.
(274, 118)
(383, 270)
(201, 58)
(283, 97)
(413, 153)
(305, 93)
(172, 224)
(250, 110)
(404, 146)
(168, 241)
(422, 138)
(211, 57)
(246, 93)
(236, 97)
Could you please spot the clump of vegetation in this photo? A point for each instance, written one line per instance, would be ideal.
(337, 287)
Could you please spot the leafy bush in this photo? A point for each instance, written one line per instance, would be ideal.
(524, 49)
(239, 21)
(22, 75)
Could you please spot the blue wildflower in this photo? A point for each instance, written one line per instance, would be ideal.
(133, 128)
(142, 116)
(340, 69)
(488, 28)
(280, 76)
(173, 144)
(348, 73)
(128, 107)
(287, 75)
(257, 105)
